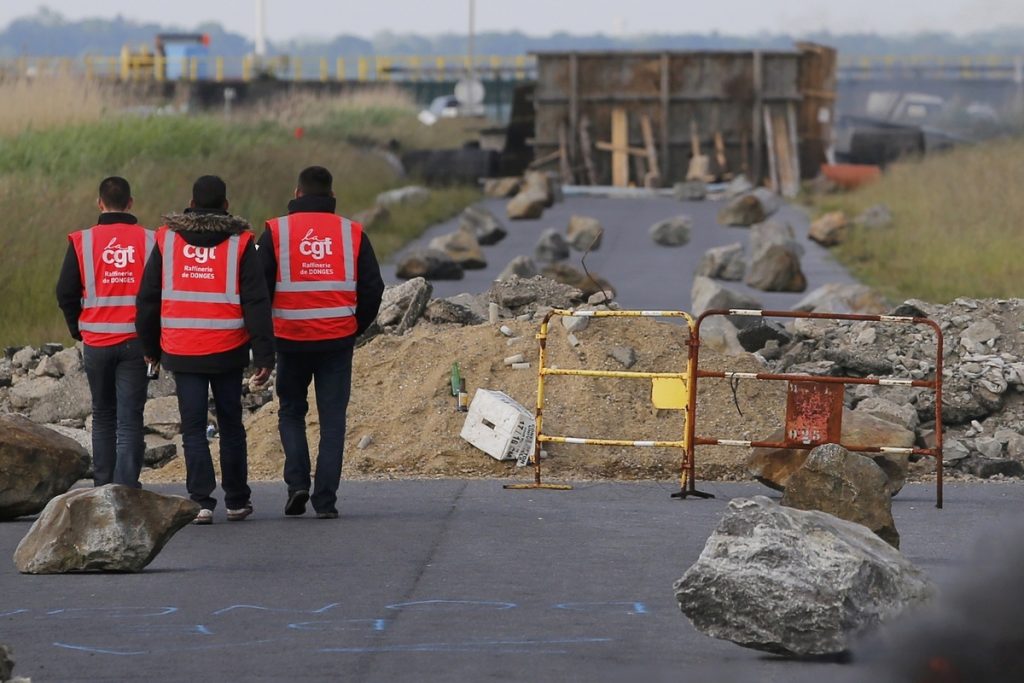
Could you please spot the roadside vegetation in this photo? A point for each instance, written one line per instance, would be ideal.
(50, 167)
(956, 228)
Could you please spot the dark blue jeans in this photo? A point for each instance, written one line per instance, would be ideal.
(193, 394)
(331, 372)
(117, 381)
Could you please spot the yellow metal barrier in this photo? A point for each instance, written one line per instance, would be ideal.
(669, 390)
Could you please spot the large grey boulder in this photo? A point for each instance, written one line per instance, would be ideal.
(48, 399)
(535, 194)
(707, 294)
(409, 195)
(584, 232)
(517, 293)
(65, 362)
(588, 284)
(432, 264)
(829, 229)
(723, 263)
(795, 582)
(742, 211)
(770, 201)
(402, 305)
(462, 247)
(161, 417)
(111, 529)
(36, 464)
(836, 297)
(690, 191)
(6, 663)
(847, 485)
(671, 232)
(502, 188)
(482, 224)
(551, 247)
(520, 266)
(775, 259)
(461, 309)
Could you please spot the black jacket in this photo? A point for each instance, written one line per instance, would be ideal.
(369, 284)
(69, 283)
(208, 228)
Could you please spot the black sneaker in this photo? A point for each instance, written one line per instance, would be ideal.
(296, 504)
(328, 514)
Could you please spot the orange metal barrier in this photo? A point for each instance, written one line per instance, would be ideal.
(814, 408)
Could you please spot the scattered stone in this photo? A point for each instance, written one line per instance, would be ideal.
(756, 336)
(584, 233)
(847, 485)
(770, 201)
(720, 334)
(403, 305)
(624, 354)
(515, 358)
(525, 206)
(64, 362)
(829, 229)
(6, 663)
(986, 468)
(520, 366)
(835, 297)
(723, 263)
(602, 298)
(23, 357)
(6, 374)
(890, 411)
(953, 451)
(502, 188)
(589, 285)
(463, 309)
(672, 232)
(109, 529)
(161, 417)
(364, 442)
(518, 294)
(707, 294)
(372, 218)
(402, 196)
(743, 211)
(874, 217)
(551, 247)
(432, 264)
(482, 224)
(520, 266)
(47, 400)
(774, 467)
(775, 259)
(50, 348)
(575, 323)
(739, 185)
(462, 247)
(158, 452)
(690, 191)
(794, 582)
(36, 464)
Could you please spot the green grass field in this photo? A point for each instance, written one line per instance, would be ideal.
(49, 174)
(957, 225)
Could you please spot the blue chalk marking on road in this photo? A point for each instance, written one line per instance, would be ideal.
(321, 610)
(157, 629)
(110, 612)
(635, 607)
(11, 613)
(454, 604)
(100, 650)
(165, 650)
(529, 645)
(340, 625)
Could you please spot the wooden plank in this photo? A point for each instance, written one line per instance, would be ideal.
(653, 176)
(723, 165)
(609, 147)
(757, 119)
(666, 103)
(620, 141)
(585, 145)
(773, 172)
(546, 159)
(794, 152)
(699, 163)
(574, 105)
(564, 168)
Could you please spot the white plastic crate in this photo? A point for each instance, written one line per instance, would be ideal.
(500, 427)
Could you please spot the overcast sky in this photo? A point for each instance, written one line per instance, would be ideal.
(320, 18)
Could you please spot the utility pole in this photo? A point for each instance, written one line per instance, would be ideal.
(471, 70)
(261, 29)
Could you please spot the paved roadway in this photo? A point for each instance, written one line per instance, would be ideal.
(645, 275)
(440, 580)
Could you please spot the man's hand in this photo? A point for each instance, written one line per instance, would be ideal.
(149, 360)
(260, 377)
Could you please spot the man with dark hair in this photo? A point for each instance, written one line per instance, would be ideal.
(202, 304)
(96, 290)
(326, 287)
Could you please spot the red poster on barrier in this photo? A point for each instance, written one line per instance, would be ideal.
(814, 413)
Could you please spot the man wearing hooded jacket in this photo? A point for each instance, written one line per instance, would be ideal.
(202, 305)
(326, 288)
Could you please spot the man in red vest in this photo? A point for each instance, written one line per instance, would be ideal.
(96, 291)
(326, 287)
(203, 304)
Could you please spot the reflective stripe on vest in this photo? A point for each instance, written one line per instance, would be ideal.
(202, 323)
(229, 296)
(285, 263)
(109, 328)
(89, 277)
(314, 313)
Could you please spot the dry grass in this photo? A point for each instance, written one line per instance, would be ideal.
(957, 225)
(48, 102)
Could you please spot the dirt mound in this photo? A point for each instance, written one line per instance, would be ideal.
(401, 398)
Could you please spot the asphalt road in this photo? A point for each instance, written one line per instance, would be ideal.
(439, 580)
(644, 274)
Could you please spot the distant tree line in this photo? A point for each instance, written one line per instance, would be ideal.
(47, 33)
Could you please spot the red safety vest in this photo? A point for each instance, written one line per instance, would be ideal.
(111, 259)
(201, 308)
(315, 294)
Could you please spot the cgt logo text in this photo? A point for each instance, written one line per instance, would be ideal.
(317, 248)
(199, 254)
(116, 255)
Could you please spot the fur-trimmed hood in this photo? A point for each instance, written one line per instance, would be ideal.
(206, 222)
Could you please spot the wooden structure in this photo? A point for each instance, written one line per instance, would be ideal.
(765, 113)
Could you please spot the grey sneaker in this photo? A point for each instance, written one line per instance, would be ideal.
(328, 514)
(204, 517)
(238, 514)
